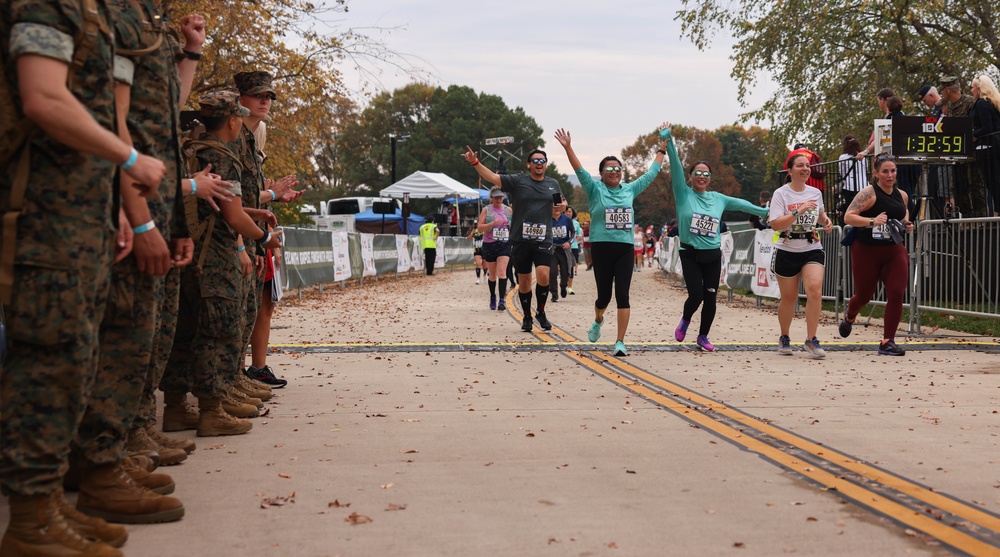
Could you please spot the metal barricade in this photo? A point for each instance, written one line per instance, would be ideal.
(957, 268)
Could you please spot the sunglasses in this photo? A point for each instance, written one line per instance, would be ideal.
(885, 157)
(539, 161)
(612, 169)
(701, 174)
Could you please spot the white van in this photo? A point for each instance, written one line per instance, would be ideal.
(353, 205)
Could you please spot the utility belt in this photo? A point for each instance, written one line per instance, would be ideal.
(807, 236)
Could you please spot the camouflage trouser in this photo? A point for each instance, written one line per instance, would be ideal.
(253, 289)
(163, 342)
(206, 343)
(53, 326)
(127, 332)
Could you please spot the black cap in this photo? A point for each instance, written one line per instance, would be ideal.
(923, 92)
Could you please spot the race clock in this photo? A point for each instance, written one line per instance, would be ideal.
(928, 136)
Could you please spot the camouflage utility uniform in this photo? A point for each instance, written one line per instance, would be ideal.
(210, 317)
(65, 242)
(140, 317)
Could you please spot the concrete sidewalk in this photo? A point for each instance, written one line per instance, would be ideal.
(503, 452)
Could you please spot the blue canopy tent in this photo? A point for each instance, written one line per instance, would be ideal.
(370, 222)
(483, 199)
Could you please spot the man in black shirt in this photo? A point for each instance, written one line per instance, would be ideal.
(532, 196)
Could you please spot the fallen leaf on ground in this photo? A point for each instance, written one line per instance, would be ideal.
(337, 504)
(277, 501)
(356, 518)
(395, 507)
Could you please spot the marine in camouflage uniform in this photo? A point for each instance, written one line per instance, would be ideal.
(135, 322)
(211, 317)
(970, 192)
(252, 83)
(64, 250)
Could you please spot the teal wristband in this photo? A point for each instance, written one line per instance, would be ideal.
(133, 156)
(273, 196)
(240, 248)
(194, 186)
(144, 228)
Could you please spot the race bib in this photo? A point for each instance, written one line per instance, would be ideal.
(806, 222)
(618, 218)
(881, 232)
(559, 232)
(478, 244)
(501, 234)
(704, 225)
(533, 231)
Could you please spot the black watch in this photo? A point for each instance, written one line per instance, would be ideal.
(661, 151)
(191, 55)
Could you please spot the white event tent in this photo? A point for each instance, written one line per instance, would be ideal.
(429, 185)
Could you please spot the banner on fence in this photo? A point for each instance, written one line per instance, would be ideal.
(765, 283)
(417, 255)
(741, 270)
(307, 257)
(385, 260)
(354, 248)
(403, 263)
(727, 252)
(439, 257)
(457, 251)
(368, 255)
(341, 256)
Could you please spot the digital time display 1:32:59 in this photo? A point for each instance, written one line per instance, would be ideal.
(934, 143)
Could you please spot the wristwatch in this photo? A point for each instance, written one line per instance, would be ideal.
(871, 223)
(795, 212)
(191, 55)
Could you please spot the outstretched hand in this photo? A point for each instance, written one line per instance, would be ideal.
(563, 137)
(665, 133)
(469, 155)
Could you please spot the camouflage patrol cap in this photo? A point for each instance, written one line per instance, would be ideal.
(219, 104)
(948, 80)
(254, 83)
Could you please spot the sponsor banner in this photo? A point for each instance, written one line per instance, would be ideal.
(368, 255)
(307, 257)
(765, 283)
(403, 263)
(417, 254)
(741, 271)
(354, 249)
(726, 247)
(385, 255)
(341, 256)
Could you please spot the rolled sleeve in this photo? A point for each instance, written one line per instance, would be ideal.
(41, 40)
(124, 70)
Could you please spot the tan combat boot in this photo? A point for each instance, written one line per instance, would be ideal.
(235, 408)
(186, 445)
(252, 388)
(157, 483)
(239, 395)
(38, 529)
(108, 492)
(177, 413)
(138, 440)
(103, 531)
(213, 420)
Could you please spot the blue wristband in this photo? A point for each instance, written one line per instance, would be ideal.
(144, 228)
(130, 161)
(194, 186)
(265, 239)
(273, 196)
(240, 248)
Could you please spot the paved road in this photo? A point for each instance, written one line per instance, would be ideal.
(410, 403)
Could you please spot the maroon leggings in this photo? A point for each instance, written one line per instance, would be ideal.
(871, 264)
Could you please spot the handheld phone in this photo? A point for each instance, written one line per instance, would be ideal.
(556, 198)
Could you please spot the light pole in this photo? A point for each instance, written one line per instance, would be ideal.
(393, 139)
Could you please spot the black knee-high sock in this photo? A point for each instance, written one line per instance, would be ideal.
(525, 298)
(543, 295)
(503, 288)
(493, 287)
(478, 270)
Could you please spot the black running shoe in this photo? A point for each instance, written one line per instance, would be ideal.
(563, 293)
(889, 348)
(501, 306)
(265, 375)
(543, 322)
(526, 324)
(845, 328)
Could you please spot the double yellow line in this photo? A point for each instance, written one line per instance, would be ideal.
(895, 497)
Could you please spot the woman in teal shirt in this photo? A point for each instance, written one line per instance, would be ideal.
(611, 224)
(699, 216)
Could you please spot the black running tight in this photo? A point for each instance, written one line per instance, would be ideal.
(702, 269)
(612, 268)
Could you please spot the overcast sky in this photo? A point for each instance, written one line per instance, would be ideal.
(606, 71)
